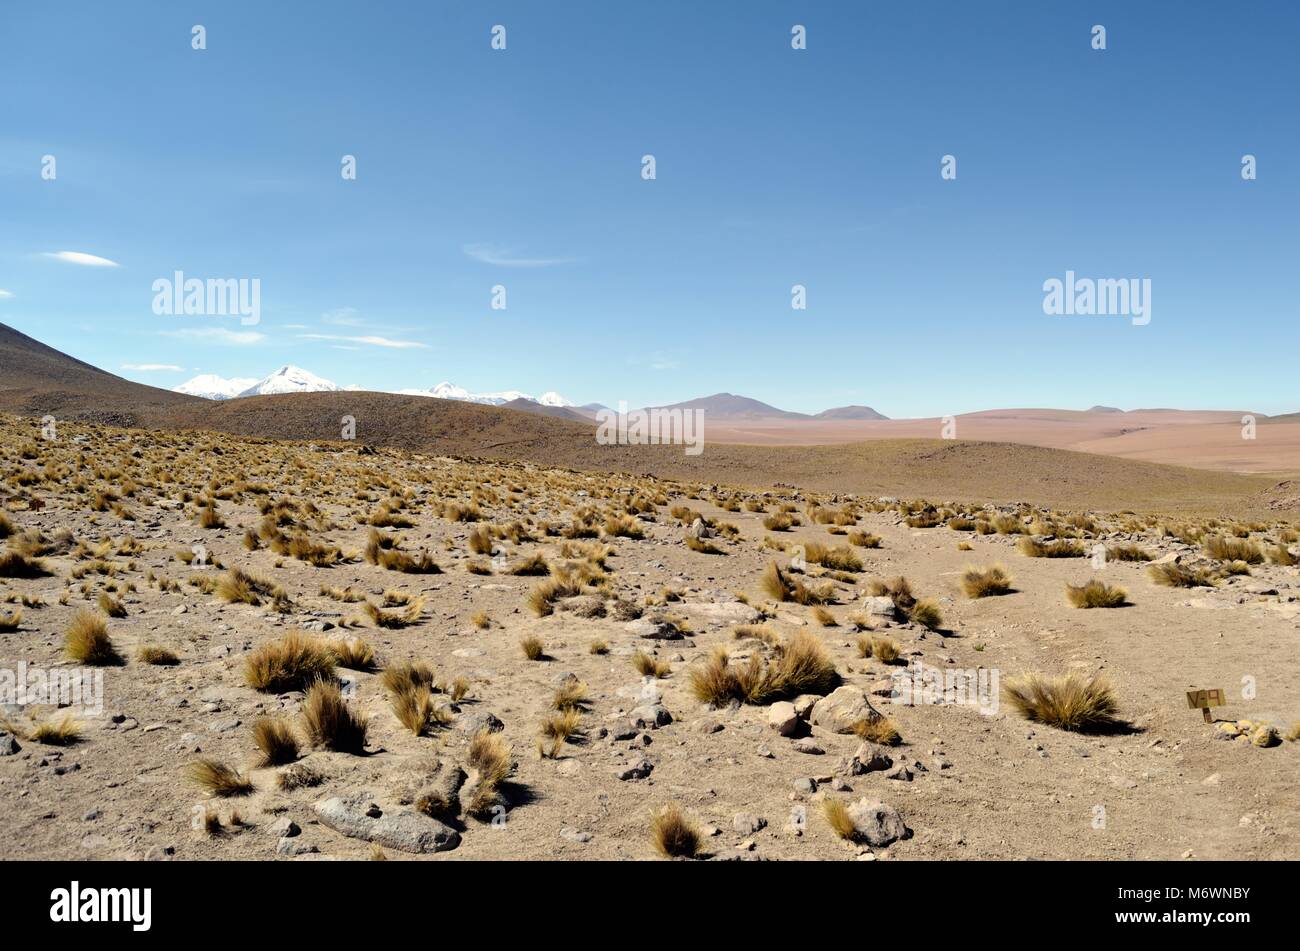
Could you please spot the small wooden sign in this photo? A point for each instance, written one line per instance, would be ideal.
(1204, 699)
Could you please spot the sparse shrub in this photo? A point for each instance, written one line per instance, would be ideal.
(1070, 702)
(1126, 553)
(489, 757)
(1172, 575)
(110, 605)
(274, 738)
(1095, 594)
(926, 613)
(532, 647)
(673, 834)
(986, 583)
(647, 665)
(217, 778)
(87, 641)
(294, 662)
(14, 564)
(1221, 548)
(878, 729)
(155, 655)
(1061, 548)
(61, 732)
(838, 818)
(330, 721)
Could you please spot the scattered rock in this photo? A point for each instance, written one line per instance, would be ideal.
(876, 823)
(783, 718)
(357, 816)
(839, 710)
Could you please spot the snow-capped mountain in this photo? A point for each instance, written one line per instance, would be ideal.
(213, 387)
(450, 391)
(291, 379)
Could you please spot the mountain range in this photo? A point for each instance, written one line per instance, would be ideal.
(748, 440)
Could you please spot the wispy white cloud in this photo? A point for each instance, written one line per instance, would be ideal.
(5, 294)
(370, 341)
(295, 326)
(504, 257)
(238, 338)
(82, 258)
(343, 317)
(152, 367)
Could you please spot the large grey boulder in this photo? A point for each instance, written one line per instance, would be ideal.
(876, 823)
(358, 817)
(840, 709)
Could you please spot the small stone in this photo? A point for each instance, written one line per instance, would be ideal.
(575, 835)
(284, 828)
(783, 718)
(638, 770)
(294, 847)
(808, 745)
(747, 823)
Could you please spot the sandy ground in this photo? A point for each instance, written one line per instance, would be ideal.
(983, 786)
(1208, 440)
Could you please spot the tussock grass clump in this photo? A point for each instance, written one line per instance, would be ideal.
(14, 564)
(480, 541)
(6, 526)
(407, 675)
(9, 622)
(274, 738)
(673, 834)
(779, 522)
(781, 587)
(330, 721)
(1095, 594)
(570, 695)
(598, 646)
(1170, 575)
(878, 729)
(1223, 548)
(64, 731)
(838, 818)
(218, 778)
(489, 757)
(241, 587)
(898, 590)
(1281, 555)
(87, 641)
(416, 709)
(110, 605)
(155, 655)
(353, 653)
(294, 662)
(647, 665)
(1069, 702)
(703, 546)
(532, 646)
(409, 615)
(985, 583)
(864, 539)
(534, 564)
(927, 614)
(1126, 553)
(558, 728)
(1061, 548)
(884, 649)
(624, 526)
(382, 550)
(801, 666)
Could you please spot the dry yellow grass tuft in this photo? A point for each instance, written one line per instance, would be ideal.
(801, 666)
(673, 834)
(1095, 594)
(986, 583)
(330, 722)
(217, 778)
(155, 655)
(274, 738)
(87, 641)
(1069, 702)
(293, 662)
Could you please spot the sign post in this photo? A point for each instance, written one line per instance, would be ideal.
(1204, 699)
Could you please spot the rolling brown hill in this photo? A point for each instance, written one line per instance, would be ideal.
(35, 380)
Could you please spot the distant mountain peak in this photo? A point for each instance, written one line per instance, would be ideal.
(291, 379)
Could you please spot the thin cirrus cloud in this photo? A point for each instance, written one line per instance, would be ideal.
(82, 258)
(503, 257)
(5, 294)
(237, 338)
(369, 340)
(153, 367)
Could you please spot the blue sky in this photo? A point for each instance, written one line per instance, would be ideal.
(775, 167)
